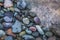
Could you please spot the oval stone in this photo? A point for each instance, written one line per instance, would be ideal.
(25, 20)
(2, 33)
(36, 20)
(22, 33)
(32, 28)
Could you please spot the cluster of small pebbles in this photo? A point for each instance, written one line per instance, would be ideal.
(17, 22)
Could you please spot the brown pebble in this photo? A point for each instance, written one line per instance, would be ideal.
(9, 32)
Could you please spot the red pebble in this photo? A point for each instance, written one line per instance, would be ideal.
(32, 29)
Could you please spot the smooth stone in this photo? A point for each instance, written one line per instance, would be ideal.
(28, 37)
(49, 34)
(16, 28)
(32, 28)
(32, 14)
(28, 31)
(1, 26)
(9, 38)
(22, 33)
(35, 34)
(11, 9)
(5, 10)
(16, 9)
(36, 20)
(9, 32)
(26, 21)
(2, 33)
(7, 25)
(21, 4)
(38, 38)
(1, 14)
(8, 3)
(8, 19)
(39, 29)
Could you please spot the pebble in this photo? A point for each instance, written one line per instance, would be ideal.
(21, 4)
(35, 34)
(28, 37)
(32, 28)
(36, 20)
(16, 28)
(25, 20)
(22, 33)
(7, 25)
(39, 30)
(9, 32)
(7, 19)
(9, 38)
(49, 34)
(8, 3)
(2, 33)
(28, 31)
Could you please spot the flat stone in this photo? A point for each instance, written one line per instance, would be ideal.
(32, 28)
(16, 28)
(26, 21)
(1, 0)
(1, 26)
(2, 33)
(28, 31)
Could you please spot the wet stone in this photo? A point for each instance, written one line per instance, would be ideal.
(1, 26)
(38, 38)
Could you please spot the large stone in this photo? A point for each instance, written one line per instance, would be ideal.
(16, 28)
